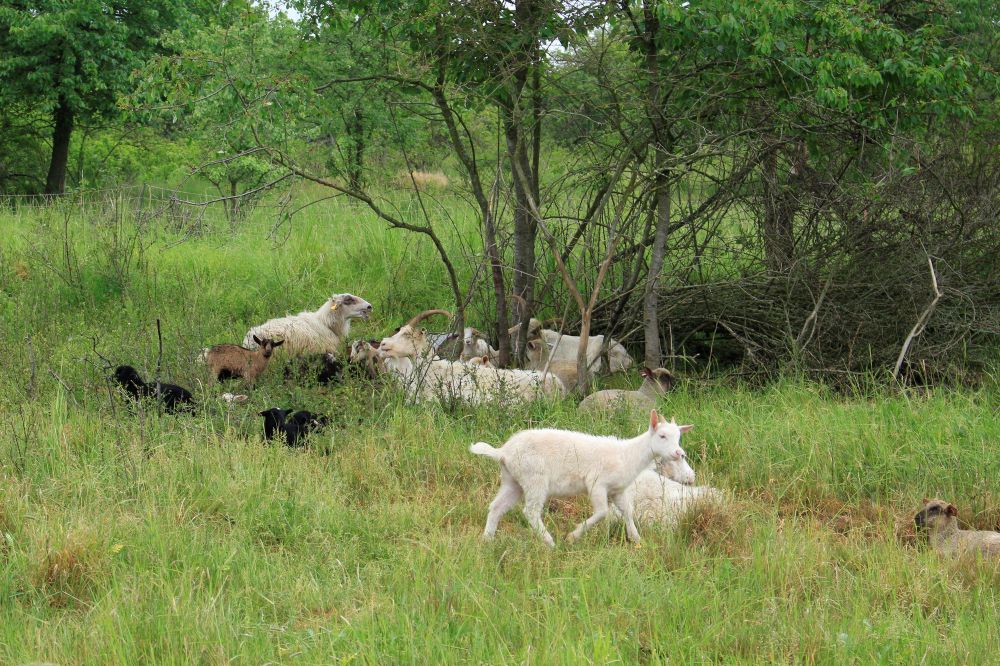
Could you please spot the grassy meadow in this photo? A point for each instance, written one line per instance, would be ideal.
(127, 536)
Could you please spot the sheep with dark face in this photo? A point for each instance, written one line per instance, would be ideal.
(939, 520)
(174, 398)
(321, 331)
(655, 383)
(232, 361)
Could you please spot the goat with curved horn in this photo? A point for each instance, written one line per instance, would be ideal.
(425, 314)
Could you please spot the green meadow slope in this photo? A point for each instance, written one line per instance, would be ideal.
(127, 536)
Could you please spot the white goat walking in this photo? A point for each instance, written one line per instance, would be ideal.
(321, 331)
(538, 464)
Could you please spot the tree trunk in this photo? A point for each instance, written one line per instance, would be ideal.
(776, 230)
(55, 182)
(651, 297)
(661, 182)
(525, 231)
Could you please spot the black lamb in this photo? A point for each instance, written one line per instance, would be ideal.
(174, 398)
(323, 368)
(295, 427)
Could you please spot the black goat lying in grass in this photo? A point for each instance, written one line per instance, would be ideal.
(174, 398)
(295, 427)
(323, 368)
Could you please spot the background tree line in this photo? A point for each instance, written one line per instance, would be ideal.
(780, 185)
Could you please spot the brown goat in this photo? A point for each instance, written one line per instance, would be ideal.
(231, 361)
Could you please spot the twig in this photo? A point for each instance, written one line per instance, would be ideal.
(34, 369)
(159, 358)
(65, 386)
(922, 321)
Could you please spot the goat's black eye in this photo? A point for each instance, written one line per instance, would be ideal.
(934, 509)
(349, 300)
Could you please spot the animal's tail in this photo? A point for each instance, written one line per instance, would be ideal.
(484, 449)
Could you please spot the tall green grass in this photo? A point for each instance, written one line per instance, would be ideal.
(127, 536)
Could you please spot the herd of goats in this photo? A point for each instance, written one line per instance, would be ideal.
(646, 478)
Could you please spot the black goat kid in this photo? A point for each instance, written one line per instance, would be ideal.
(174, 398)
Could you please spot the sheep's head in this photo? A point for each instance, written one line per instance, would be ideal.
(935, 515)
(267, 345)
(349, 306)
(665, 439)
(408, 340)
(661, 379)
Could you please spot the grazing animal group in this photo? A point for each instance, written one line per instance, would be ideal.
(645, 479)
(315, 338)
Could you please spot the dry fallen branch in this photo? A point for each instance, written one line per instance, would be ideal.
(921, 324)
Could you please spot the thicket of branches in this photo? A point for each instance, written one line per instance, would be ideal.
(806, 185)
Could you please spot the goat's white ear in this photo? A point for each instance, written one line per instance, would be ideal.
(685, 428)
(654, 419)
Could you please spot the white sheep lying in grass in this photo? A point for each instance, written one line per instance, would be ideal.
(654, 383)
(657, 499)
(538, 464)
(474, 383)
(561, 347)
(321, 331)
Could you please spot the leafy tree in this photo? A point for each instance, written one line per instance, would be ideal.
(70, 59)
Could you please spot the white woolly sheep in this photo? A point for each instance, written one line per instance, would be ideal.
(474, 382)
(566, 371)
(324, 330)
(538, 464)
(654, 383)
(562, 347)
(658, 499)
(940, 520)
